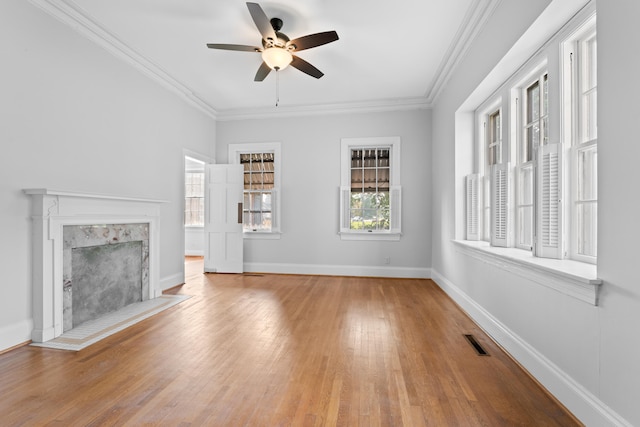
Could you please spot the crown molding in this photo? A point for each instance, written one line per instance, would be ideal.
(72, 15)
(75, 17)
(473, 22)
(377, 106)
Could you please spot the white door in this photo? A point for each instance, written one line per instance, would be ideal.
(223, 218)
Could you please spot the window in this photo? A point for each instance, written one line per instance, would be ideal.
(370, 190)
(534, 133)
(515, 199)
(261, 164)
(581, 55)
(258, 189)
(194, 193)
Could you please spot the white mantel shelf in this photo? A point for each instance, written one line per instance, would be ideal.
(51, 192)
(51, 210)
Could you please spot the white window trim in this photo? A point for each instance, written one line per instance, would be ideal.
(234, 158)
(572, 129)
(346, 144)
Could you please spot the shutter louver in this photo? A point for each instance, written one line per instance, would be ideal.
(500, 205)
(472, 207)
(549, 209)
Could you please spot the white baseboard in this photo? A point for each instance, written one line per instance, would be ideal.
(168, 282)
(339, 270)
(15, 334)
(580, 401)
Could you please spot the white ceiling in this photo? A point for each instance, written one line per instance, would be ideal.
(389, 53)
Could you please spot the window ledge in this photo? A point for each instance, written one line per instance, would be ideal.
(359, 235)
(261, 235)
(573, 278)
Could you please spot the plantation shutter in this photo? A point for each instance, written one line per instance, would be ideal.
(395, 203)
(472, 207)
(345, 209)
(549, 201)
(500, 205)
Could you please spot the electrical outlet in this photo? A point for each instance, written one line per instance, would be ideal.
(387, 260)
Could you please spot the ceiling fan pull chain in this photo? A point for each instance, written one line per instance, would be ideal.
(277, 86)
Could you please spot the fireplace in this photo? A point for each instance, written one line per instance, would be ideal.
(105, 269)
(69, 231)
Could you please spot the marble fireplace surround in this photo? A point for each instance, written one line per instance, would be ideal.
(51, 210)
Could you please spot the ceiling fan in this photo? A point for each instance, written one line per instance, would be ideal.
(277, 49)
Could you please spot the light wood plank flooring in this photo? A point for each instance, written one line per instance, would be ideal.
(282, 350)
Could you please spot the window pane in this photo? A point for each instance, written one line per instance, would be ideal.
(587, 229)
(525, 193)
(525, 226)
(589, 116)
(194, 199)
(588, 174)
(591, 52)
(370, 180)
(533, 102)
(525, 206)
(259, 180)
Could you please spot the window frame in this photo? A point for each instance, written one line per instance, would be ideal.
(234, 152)
(348, 144)
(525, 190)
(483, 164)
(575, 71)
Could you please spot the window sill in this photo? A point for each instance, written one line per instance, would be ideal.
(261, 235)
(573, 278)
(369, 236)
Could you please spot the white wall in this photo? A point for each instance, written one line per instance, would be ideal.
(194, 241)
(309, 194)
(586, 355)
(74, 117)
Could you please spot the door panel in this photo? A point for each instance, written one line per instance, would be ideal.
(223, 226)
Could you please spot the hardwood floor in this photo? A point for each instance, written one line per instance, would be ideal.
(280, 350)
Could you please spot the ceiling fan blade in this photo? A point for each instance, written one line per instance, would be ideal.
(261, 21)
(305, 67)
(262, 73)
(240, 47)
(313, 40)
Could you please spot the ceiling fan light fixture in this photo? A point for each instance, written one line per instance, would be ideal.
(277, 58)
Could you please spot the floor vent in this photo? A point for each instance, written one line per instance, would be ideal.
(476, 345)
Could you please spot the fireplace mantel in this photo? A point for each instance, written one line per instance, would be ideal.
(51, 210)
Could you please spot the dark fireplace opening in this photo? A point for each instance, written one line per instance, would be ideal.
(106, 278)
(105, 268)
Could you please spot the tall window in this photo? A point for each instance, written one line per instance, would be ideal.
(261, 164)
(370, 188)
(584, 150)
(194, 193)
(535, 133)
